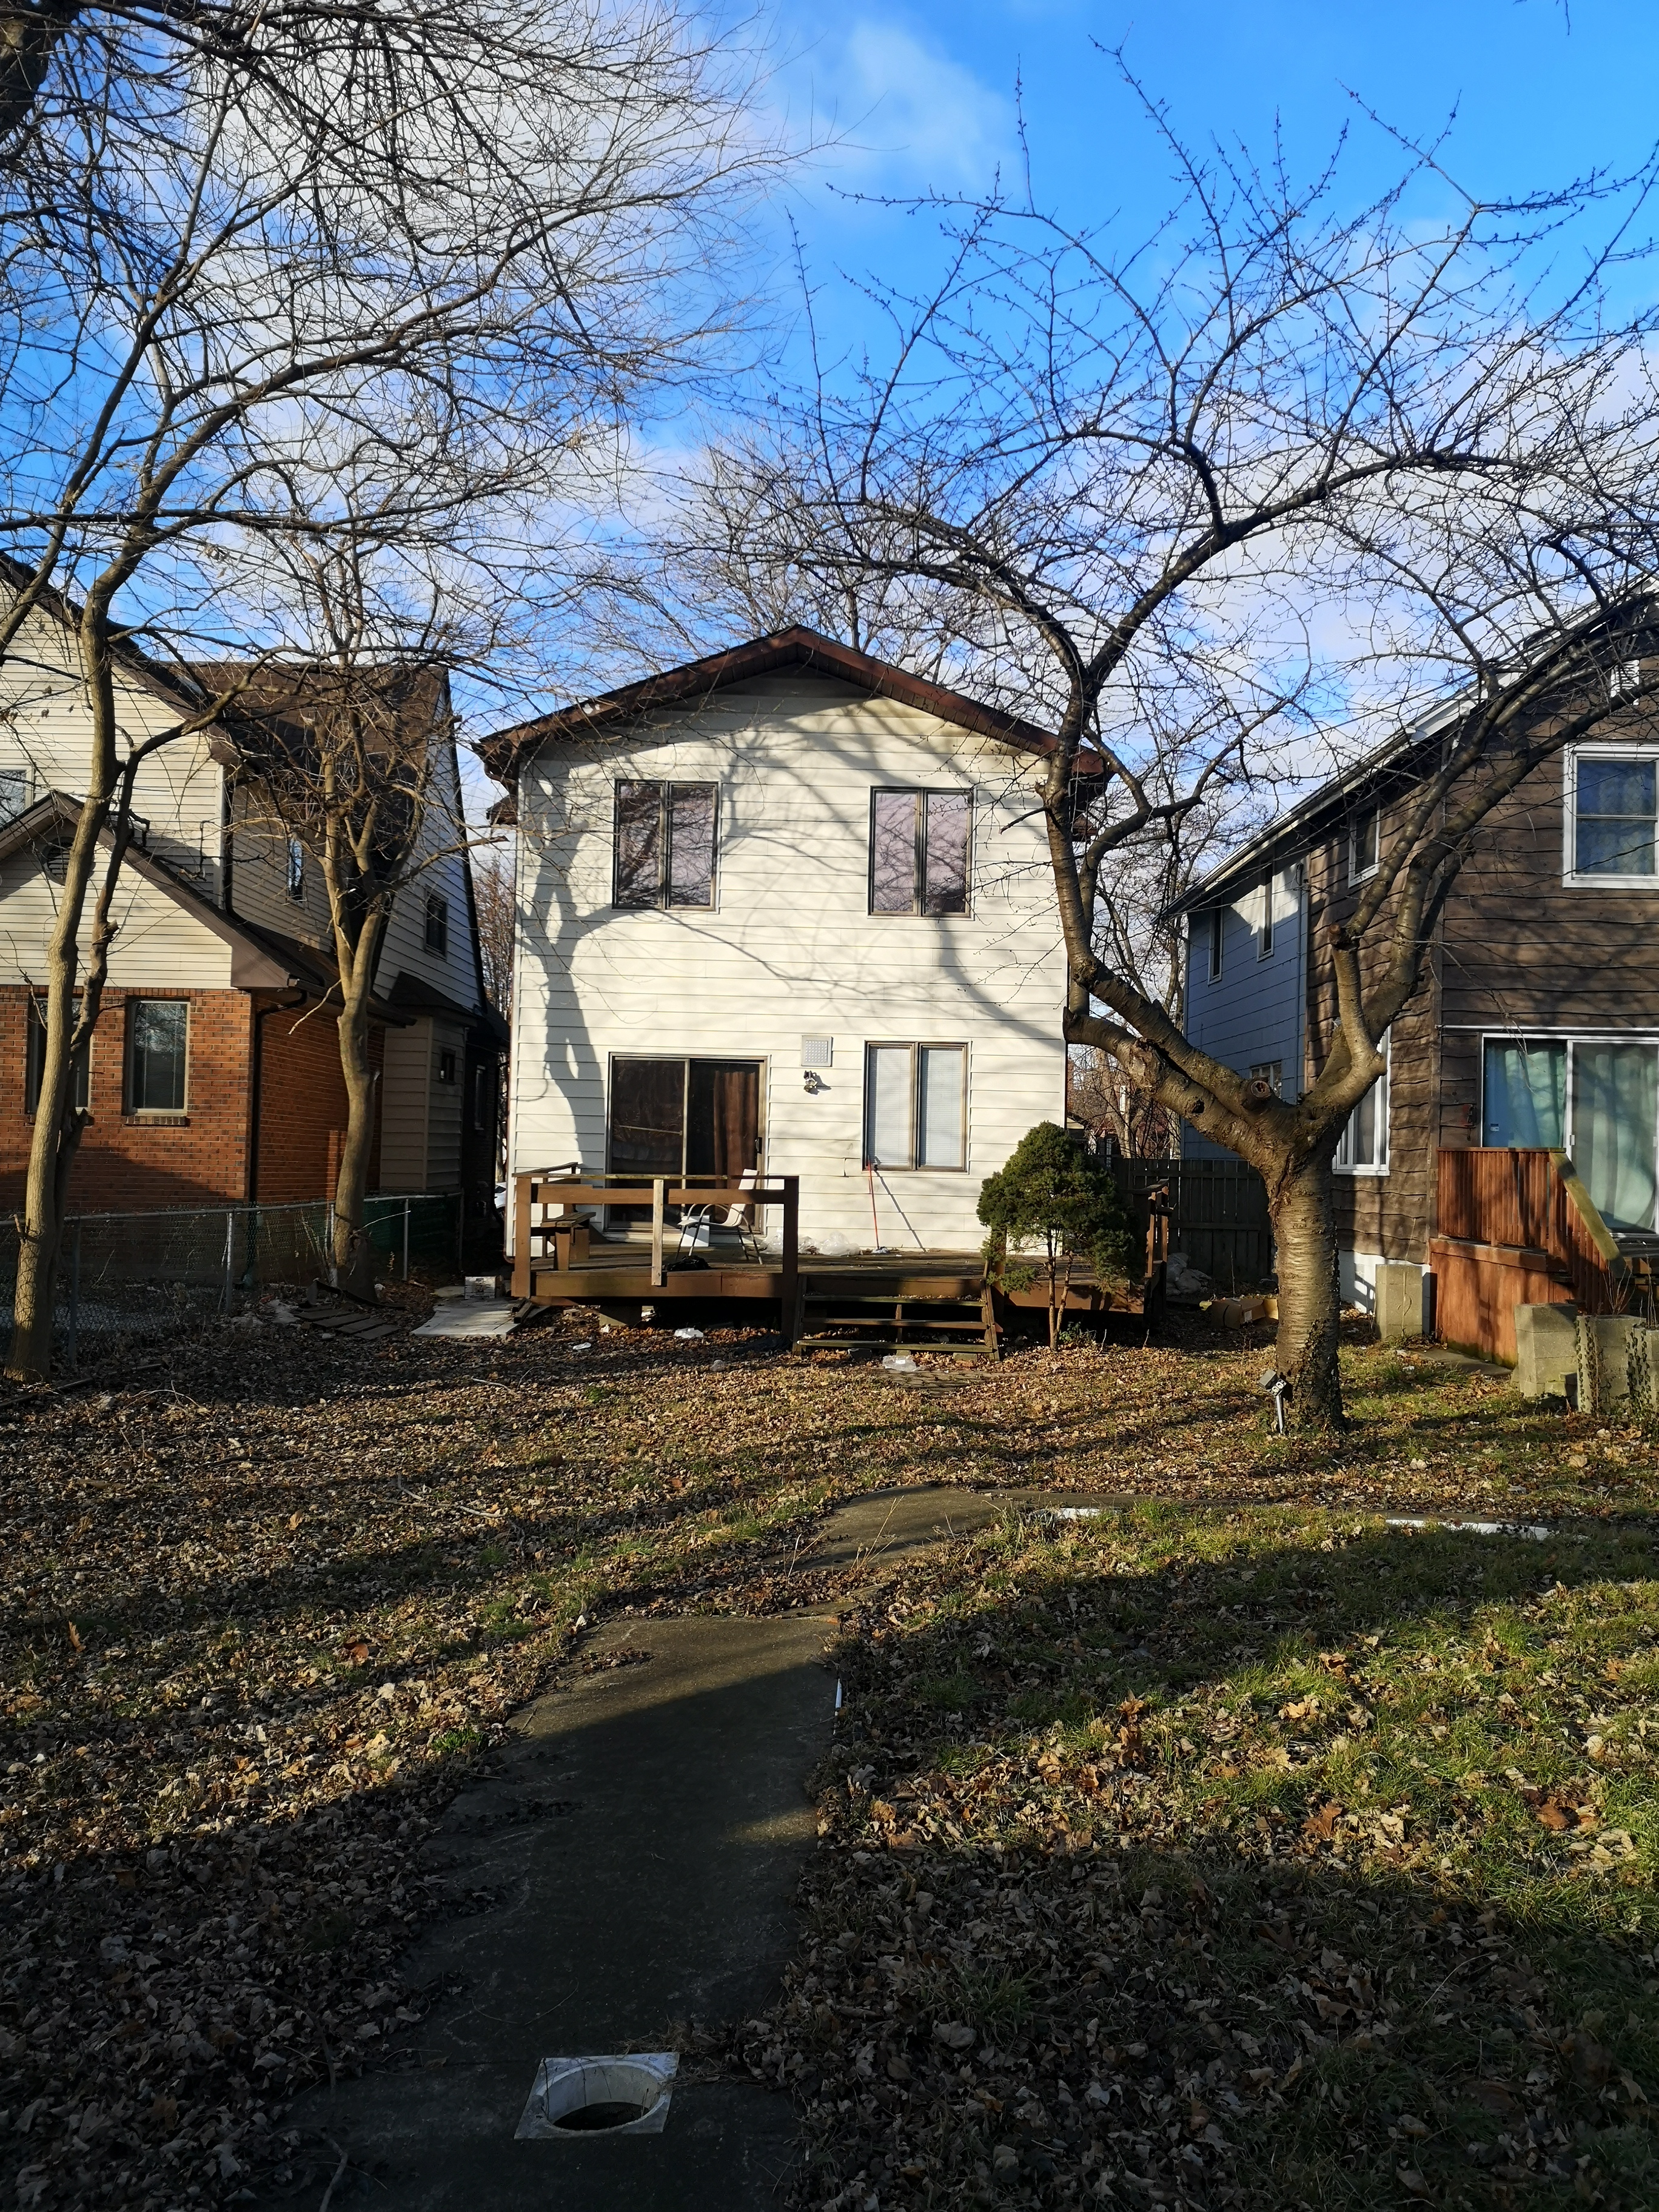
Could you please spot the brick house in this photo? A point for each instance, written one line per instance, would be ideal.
(214, 1073)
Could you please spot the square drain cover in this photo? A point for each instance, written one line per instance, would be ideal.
(625, 2093)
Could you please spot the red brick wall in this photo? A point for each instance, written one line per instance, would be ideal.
(128, 1166)
(302, 1112)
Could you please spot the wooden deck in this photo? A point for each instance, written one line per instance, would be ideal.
(563, 1255)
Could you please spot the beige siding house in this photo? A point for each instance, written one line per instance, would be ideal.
(221, 959)
(787, 910)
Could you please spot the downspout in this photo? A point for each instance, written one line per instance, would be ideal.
(257, 1085)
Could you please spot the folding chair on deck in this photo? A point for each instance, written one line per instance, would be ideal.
(700, 1224)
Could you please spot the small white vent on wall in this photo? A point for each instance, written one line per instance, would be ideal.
(817, 1052)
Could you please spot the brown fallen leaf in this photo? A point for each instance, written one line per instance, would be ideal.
(356, 1653)
(75, 1637)
(1319, 1827)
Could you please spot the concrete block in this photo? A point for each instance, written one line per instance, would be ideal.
(1399, 1300)
(1606, 1342)
(1546, 1349)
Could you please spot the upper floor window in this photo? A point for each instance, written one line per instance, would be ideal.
(1264, 943)
(1363, 1147)
(1365, 846)
(445, 1064)
(437, 923)
(158, 1042)
(664, 850)
(1217, 934)
(13, 793)
(34, 1062)
(919, 844)
(295, 879)
(1611, 809)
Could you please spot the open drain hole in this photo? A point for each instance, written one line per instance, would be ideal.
(625, 2094)
(611, 2114)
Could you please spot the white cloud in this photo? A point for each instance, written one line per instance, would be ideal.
(905, 112)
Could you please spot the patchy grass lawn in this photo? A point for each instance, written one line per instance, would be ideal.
(1271, 1858)
(265, 1612)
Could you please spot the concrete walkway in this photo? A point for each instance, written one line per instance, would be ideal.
(639, 1844)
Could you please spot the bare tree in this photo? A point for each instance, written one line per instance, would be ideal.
(1268, 483)
(300, 255)
(492, 892)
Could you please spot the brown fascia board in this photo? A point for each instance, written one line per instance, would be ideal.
(505, 752)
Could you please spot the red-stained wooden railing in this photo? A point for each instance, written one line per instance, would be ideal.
(1513, 1228)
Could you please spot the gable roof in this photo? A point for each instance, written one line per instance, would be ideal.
(260, 960)
(505, 752)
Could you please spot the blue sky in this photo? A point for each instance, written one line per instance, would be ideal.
(925, 95)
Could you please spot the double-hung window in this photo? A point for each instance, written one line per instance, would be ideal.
(919, 851)
(915, 1106)
(663, 845)
(1365, 846)
(1363, 1147)
(158, 1049)
(13, 793)
(34, 1062)
(1612, 800)
(437, 923)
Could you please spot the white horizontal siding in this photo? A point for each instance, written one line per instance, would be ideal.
(791, 948)
(179, 791)
(158, 945)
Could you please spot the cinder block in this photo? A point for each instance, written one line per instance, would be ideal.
(1400, 1296)
(1606, 1342)
(1546, 1349)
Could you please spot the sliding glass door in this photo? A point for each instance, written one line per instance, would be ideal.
(680, 1117)
(1615, 1092)
(1600, 1100)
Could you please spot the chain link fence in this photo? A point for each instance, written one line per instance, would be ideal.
(127, 1278)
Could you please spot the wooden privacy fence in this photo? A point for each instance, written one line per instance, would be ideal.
(1218, 1214)
(1516, 1228)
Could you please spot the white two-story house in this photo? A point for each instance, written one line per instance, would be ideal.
(788, 908)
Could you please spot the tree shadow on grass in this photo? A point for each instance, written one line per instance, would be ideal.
(1278, 1862)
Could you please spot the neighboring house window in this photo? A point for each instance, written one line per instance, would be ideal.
(158, 1042)
(1271, 1073)
(1363, 1147)
(1524, 1093)
(664, 850)
(34, 1062)
(915, 1105)
(919, 843)
(13, 793)
(1265, 941)
(1365, 846)
(1217, 938)
(1598, 1097)
(1611, 805)
(445, 1064)
(437, 923)
(296, 869)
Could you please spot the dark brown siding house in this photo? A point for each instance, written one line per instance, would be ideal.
(1510, 1153)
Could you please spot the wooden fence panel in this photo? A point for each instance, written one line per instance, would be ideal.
(1217, 1215)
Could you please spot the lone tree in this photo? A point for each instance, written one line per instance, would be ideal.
(1051, 1193)
(1225, 503)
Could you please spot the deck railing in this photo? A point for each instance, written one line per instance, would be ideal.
(550, 1228)
(1518, 1227)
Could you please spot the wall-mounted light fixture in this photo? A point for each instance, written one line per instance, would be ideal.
(811, 1082)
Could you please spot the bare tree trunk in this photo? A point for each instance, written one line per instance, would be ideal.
(58, 1123)
(1303, 1213)
(354, 1255)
